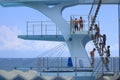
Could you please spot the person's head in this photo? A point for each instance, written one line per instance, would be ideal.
(75, 18)
(94, 49)
(104, 35)
(95, 25)
(80, 17)
(108, 46)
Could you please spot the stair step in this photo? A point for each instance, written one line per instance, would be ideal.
(108, 74)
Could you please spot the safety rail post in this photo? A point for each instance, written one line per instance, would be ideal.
(33, 29)
(75, 66)
(47, 64)
(38, 65)
(56, 31)
(112, 65)
(57, 66)
(61, 63)
(102, 68)
(27, 28)
(46, 29)
(41, 27)
(43, 62)
(71, 24)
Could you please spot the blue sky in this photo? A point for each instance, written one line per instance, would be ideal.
(13, 22)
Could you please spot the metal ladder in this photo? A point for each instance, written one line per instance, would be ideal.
(92, 23)
(95, 15)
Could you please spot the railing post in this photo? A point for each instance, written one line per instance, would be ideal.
(75, 66)
(112, 64)
(27, 28)
(46, 29)
(102, 67)
(70, 24)
(33, 29)
(61, 63)
(47, 64)
(58, 66)
(41, 27)
(56, 30)
(43, 62)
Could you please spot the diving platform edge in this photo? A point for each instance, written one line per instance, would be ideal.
(43, 37)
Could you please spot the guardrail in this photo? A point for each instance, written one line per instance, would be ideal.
(61, 65)
(85, 23)
(41, 28)
(61, 62)
(113, 66)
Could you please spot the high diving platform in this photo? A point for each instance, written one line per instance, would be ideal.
(58, 29)
(55, 2)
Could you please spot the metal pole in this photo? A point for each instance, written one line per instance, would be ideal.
(33, 29)
(43, 62)
(58, 66)
(47, 64)
(27, 28)
(56, 30)
(119, 30)
(61, 63)
(102, 68)
(46, 29)
(75, 66)
(41, 27)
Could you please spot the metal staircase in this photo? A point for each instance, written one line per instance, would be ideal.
(98, 71)
(93, 17)
(92, 21)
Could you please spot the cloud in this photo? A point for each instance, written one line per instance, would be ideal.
(10, 41)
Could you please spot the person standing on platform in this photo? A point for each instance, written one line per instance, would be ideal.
(76, 24)
(92, 54)
(81, 21)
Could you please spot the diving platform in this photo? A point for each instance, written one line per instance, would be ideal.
(60, 38)
(58, 29)
(70, 70)
(43, 37)
(6, 3)
(108, 74)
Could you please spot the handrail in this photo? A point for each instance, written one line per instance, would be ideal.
(98, 71)
(92, 23)
(95, 15)
(98, 65)
(85, 24)
(41, 28)
(91, 9)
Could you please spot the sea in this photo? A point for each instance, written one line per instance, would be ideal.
(33, 63)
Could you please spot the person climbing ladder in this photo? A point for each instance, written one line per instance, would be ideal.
(92, 53)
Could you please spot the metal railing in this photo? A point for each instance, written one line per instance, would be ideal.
(85, 23)
(93, 13)
(113, 66)
(61, 63)
(60, 66)
(41, 28)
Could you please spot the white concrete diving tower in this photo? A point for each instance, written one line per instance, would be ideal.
(76, 42)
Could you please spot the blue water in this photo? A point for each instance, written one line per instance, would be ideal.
(11, 63)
